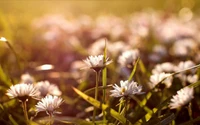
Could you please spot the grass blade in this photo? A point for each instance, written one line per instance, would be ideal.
(104, 107)
(133, 71)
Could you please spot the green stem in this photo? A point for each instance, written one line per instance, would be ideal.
(190, 110)
(104, 81)
(96, 94)
(25, 112)
(126, 109)
(16, 55)
(51, 119)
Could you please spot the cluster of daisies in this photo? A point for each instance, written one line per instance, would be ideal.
(47, 94)
(161, 74)
(163, 47)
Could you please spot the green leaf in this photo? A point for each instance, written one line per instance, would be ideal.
(142, 67)
(12, 120)
(163, 120)
(133, 71)
(104, 79)
(4, 78)
(104, 107)
(69, 120)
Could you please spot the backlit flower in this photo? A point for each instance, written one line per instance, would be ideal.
(184, 65)
(157, 78)
(182, 97)
(22, 91)
(96, 62)
(46, 88)
(192, 78)
(126, 88)
(164, 67)
(49, 104)
(128, 58)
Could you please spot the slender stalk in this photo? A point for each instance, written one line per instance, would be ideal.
(15, 53)
(104, 79)
(25, 112)
(50, 119)
(126, 109)
(96, 94)
(104, 73)
(189, 108)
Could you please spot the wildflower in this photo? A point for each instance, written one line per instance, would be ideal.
(126, 88)
(182, 97)
(164, 67)
(98, 46)
(184, 65)
(119, 46)
(22, 91)
(184, 47)
(192, 78)
(46, 88)
(27, 78)
(49, 104)
(97, 62)
(128, 58)
(157, 78)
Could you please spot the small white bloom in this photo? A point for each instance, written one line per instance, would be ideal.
(27, 78)
(23, 91)
(192, 78)
(96, 62)
(182, 97)
(157, 78)
(128, 58)
(49, 104)
(126, 88)
(184, 47)
(163, 67)
(46, 88)
(184, 65)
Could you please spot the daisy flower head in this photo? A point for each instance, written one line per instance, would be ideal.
(182, 97)
(97, 62)
(46, 88)
(23, 91)
(164, 67)
(49, 104)
(126, 88)
(157, 78)
(185, 65)
(128, 58)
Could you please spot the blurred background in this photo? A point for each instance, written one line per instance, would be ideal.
(61, 33)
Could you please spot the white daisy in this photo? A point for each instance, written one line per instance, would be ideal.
(23, 91)
(128, 58)
(184, 65)
(46, 88)
(164, 67)
(192, 78)
(157, 78)
(126, 88)
(182, 97)
(49, 104)
(96, 62)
